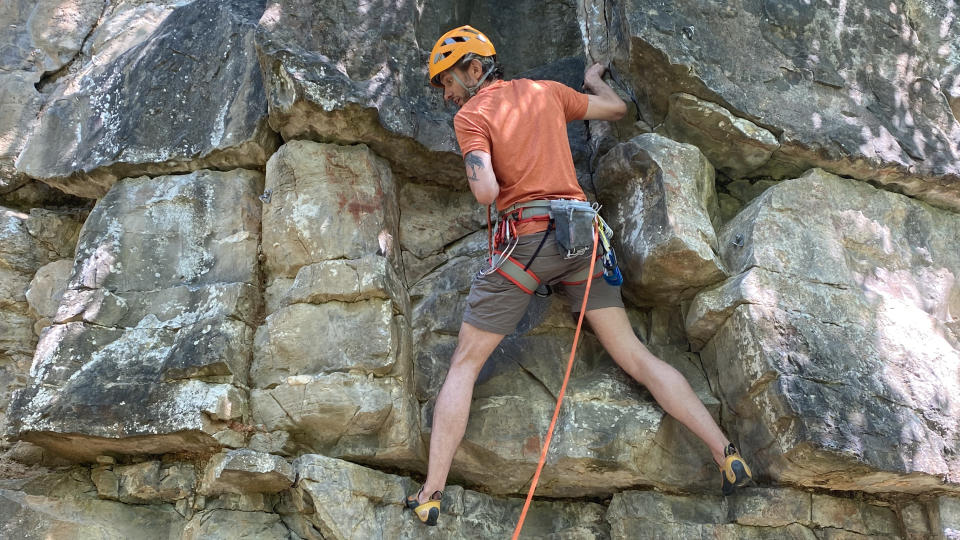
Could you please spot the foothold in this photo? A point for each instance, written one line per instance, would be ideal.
(106, 460)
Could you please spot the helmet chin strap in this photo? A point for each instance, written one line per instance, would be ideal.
(472, 90)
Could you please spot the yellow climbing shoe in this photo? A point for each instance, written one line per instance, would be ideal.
(735, 472)
(428, 512)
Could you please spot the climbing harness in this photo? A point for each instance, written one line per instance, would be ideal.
(574, 223)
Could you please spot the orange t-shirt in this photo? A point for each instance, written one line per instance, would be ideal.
(522, 125)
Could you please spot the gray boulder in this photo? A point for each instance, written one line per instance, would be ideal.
(834, 347)
(152, 342)
(327, 202)
(246, 471)
(45, 35)
(227, 524)
(64, 504)
(349, 415)
(47, 289)
(864, 92)
(331, 361)
(39, 38)
(346, 75)
(733, 145)
(752, 514)
(434, 218)
(659, 198)
(346, 501)
(183, 94)
(21, 105)
(947, 517)
(56, 234)
(28, 244)
(151, 482)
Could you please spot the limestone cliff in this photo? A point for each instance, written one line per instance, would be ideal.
(236, 242)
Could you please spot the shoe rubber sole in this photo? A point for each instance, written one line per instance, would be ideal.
(739, 473)
(428, 512)
(432, 515)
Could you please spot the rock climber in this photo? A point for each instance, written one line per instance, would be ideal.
(515, 150)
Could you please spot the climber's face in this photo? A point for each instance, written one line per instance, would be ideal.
(452, 89)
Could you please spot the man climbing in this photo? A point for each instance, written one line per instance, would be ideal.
(514, 142)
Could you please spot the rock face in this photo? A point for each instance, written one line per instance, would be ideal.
(329, 237)
(47, 289)
(610, 434)
(39, 37)
(64, 505)
(145, 482)
(843, 294)
(181, 91)
(22, 104)
(754, 514)
(17, 342)
(246, 471)
(432, 220)
(224, 524)
(327, 202)
(29, 243)
(45, 35)
(158, 312)
(322, 86)
(338, 74)
(368, 504)
(846, 89)
(733, 145)
(375, 508)
(246, 335)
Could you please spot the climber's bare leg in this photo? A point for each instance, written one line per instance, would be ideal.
(453, 403)
(668, 386)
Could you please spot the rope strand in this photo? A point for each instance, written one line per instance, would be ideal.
(563, 389)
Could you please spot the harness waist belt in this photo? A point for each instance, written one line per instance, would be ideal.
(536, 203)
(537, 209)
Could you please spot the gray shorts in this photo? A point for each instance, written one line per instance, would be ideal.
(496, 305)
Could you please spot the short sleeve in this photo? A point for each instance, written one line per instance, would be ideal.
(574, 103)
(471, 134)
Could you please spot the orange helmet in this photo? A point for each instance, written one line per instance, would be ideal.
(453, 46)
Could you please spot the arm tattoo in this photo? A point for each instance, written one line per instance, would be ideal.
(473, 162)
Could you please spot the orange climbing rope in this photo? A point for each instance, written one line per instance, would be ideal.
(563, 389)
